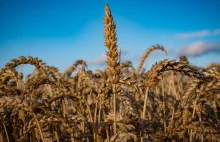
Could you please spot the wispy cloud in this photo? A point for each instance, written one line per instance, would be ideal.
(101, 59)
(123, 51)
(199, 48)
(216, 32)
(202, 33)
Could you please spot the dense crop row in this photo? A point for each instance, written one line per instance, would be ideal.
(173, 101)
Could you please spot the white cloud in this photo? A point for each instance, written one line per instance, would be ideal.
(101, 59)
(202, 33)
(124, 51)
(216, 32)
(199, 48)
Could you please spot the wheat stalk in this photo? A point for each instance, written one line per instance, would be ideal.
(113, 68)
(147, 53)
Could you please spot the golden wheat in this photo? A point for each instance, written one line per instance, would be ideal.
(173, 101)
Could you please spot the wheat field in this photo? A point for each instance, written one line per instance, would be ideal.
(173, 101)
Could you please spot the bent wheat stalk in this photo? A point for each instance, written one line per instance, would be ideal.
(147, 53)
(153, 76)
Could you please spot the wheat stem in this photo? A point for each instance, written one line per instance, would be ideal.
(6, 132)
(144, 112)
(41, 134)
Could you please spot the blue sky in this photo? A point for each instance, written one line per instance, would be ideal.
(62, 31)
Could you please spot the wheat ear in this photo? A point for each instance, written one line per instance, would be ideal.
(147, 53)
(113, 68)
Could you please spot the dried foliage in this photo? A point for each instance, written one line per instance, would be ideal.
(173, 101)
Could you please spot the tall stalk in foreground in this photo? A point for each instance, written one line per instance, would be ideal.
(113, 68)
